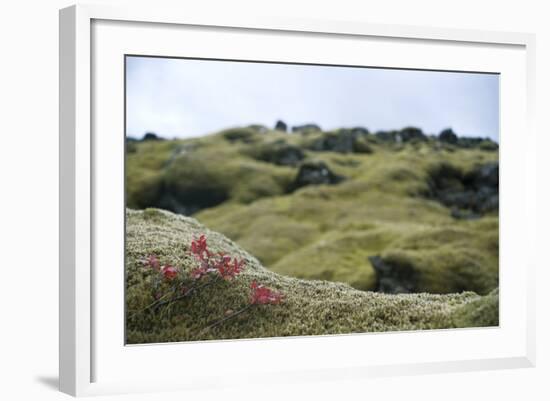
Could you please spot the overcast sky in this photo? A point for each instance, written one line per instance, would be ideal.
(187, 98)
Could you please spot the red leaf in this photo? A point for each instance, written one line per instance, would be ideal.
(262, 295)
(209, 263)
(169, 272)
(228, 269)
(199, 248)
(152, 262)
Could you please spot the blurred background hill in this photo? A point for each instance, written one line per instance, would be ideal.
(391, 211)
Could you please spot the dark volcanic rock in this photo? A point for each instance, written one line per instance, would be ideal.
(468, 195)
(281, 126)
(359, 131)
(485, 176)
(485, 182)
(150, 136)
(407, 134)
(469, 142)
(192, 197)
(392, 278)
(386, 136)
(131, 146)
(466, 142)
(361, 145)
(314, 173)
(342, 141)
(448, 136)
(281, 153)
(306, 128)
(475, 142)
(488, 145)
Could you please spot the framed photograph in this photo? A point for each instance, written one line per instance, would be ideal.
(278, 200)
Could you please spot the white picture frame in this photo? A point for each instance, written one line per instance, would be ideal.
(83, 344)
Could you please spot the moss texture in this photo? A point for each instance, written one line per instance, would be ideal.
(237, 183)
(310, 307)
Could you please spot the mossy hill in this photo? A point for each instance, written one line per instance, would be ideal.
(310, 307)
(395, 211)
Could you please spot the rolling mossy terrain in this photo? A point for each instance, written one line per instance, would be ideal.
(393, 212)
(309, 307)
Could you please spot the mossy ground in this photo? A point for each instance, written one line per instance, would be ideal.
(310, 307)
(326, 231)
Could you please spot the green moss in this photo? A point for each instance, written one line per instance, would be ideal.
(488, 145)
(309, 307)
(291, 235)
(152, 214)
(450, 258)
(230, 182)
(278, 152)
(337, 257)
(246, 134)
(189, 175)
(144, 171)
(361, 145)
(481, 312)
(143, 187)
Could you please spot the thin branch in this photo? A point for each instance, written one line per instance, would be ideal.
(188, 292)
(152, 304)
(217, 323)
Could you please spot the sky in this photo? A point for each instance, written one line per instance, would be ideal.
(189, 98)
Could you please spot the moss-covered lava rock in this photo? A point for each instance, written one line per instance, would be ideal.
(310, 307)
(317, 204)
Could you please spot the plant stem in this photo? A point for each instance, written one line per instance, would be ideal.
(187, 293)
(152, 304)
(226, 318)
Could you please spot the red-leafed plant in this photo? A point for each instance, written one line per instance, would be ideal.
(199, 248)
(221, 263)
(211, 268)
(169, 272)
(152, 262)
(262, 295)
